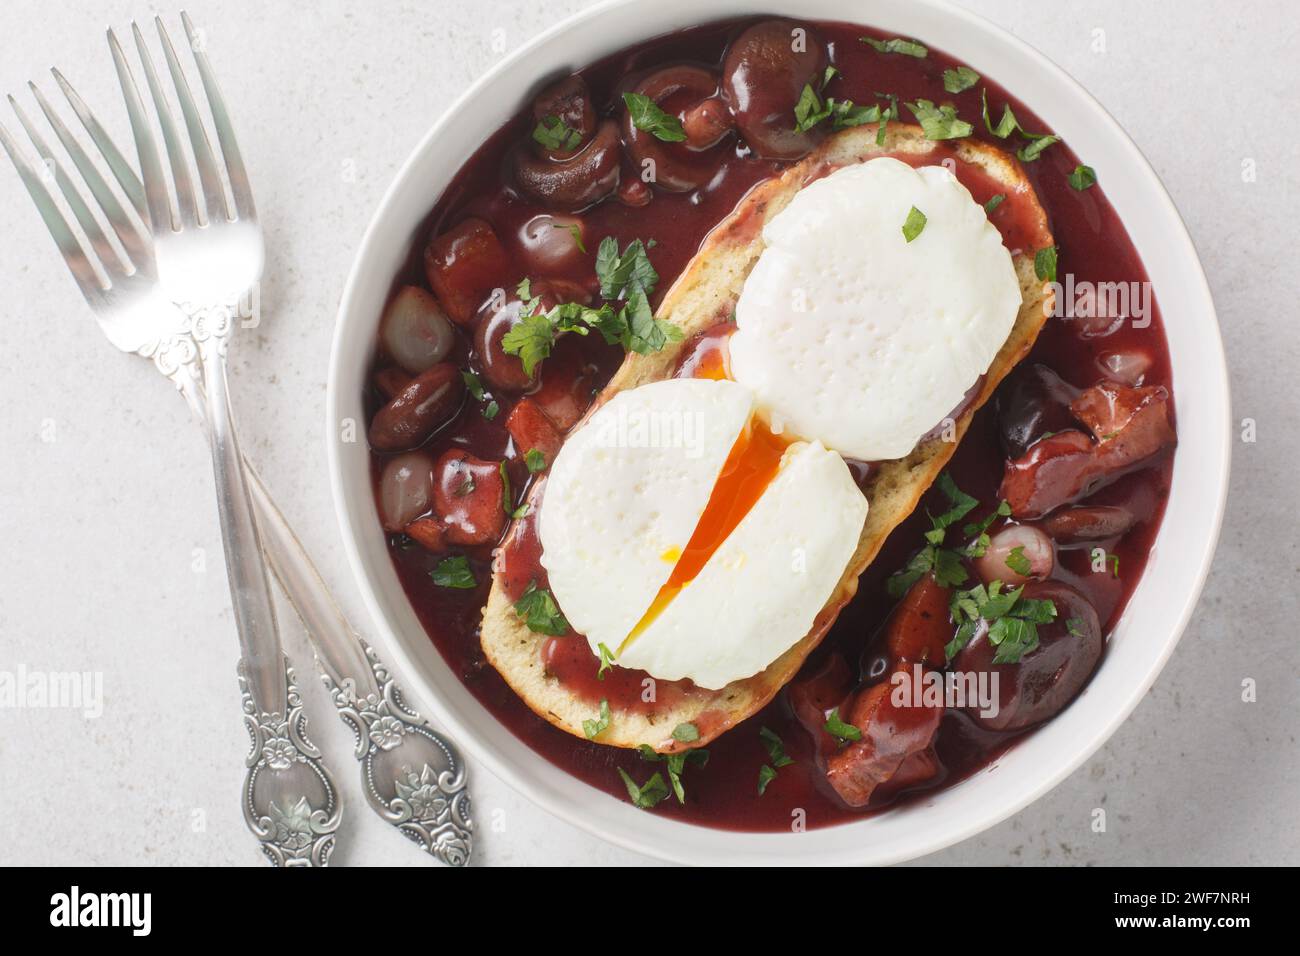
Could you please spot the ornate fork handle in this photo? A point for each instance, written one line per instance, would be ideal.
(290, 802)
(413, 777)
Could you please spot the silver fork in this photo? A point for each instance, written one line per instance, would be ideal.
(412, 776)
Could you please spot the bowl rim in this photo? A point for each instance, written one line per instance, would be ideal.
(745, 846)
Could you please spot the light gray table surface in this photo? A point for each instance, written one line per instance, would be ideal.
(110, 553)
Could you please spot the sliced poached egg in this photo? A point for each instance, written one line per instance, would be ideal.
(849, 333)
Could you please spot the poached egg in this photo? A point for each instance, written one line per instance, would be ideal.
(849, 332)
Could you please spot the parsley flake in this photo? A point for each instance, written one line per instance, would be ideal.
(648, 794)
(472, 384)
(606, 661)
(594, 728)
(915, 223)
(1083, 177)
(686, 733)
(939, 122)
(960, 79)
(676, 765)
(535, 460)
(539, 611)
(775, 748)
(649, 118)
(896, 45)
(453, 572)
(838, 729)
(1012, 620)
(1045, 264)
(1017, 561)
(552, 133)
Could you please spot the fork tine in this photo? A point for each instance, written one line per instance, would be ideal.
(239, 187)
(77, 261)
(171, 139)
(136, 245)
(214, 198)
(99, 243)
(155, 185)
(117, 164)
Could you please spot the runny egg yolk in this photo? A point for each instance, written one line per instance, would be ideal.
(750, 467)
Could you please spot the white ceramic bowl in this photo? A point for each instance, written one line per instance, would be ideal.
(1159, 608)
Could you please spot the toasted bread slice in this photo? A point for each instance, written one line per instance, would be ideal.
(704, 295)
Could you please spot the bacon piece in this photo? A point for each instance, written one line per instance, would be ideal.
(920, 627)
(429, 533)
(1131, 429)
(896, 724)
(467, 497)
(530, 428)
(463, 265)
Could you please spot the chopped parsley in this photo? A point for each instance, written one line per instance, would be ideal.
(491, 410)
(535, 461)
(575, 231)
(914, 224)
(649, 118)
(630, 278)
(896, 45)
(1039, 142)
(960, 79)
(980, 531)
(533, 336)
(994, 203)
(1074, 626)
(606, 661)
(1012, 618)
(619, 273)
(1045, 264)
(552, 133)
(837, 728)
(686, 733)
(508, 495)
(453, 572)
(1006, 126)
(775, 748)
(1083, 177)
(811, 109)
(1017, 561)
(945, 563)
(765, 776)
(539, 612)
(648, 794)
(890, 112)
(594, 728)
(939, 122)
(676, 765)
(472, 384)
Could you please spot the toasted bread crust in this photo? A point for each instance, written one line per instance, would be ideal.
(705, 294)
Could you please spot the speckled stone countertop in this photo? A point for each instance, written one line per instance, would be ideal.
(111, 555)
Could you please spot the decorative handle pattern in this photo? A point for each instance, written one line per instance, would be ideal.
(289, 800)
(411, 775)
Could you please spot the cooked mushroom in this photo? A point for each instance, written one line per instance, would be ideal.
(679, 167)
(763, 76)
